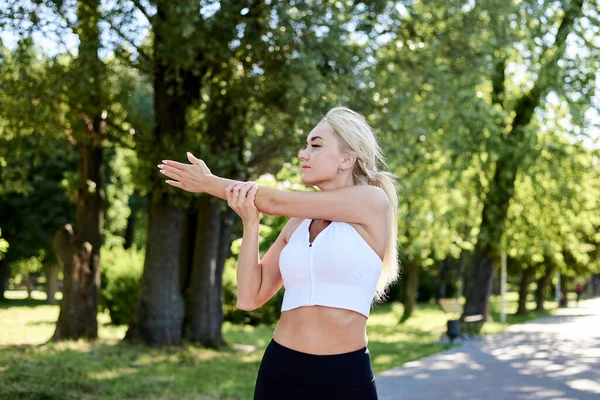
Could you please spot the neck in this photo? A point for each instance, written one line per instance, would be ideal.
(344, 180)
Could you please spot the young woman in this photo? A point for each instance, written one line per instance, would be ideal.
(335, 257)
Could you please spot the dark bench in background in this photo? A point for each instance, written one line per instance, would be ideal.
(470, 325)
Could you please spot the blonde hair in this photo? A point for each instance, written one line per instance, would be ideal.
(358, 139)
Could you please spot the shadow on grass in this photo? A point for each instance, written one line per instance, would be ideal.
(7, 303)
(86, 370)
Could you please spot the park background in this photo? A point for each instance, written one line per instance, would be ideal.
(487, 112)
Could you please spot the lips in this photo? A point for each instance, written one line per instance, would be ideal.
(304, 167)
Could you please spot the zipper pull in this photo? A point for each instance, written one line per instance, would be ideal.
(310, 245)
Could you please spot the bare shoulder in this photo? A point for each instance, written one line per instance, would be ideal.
(369, 196)
(375, 194)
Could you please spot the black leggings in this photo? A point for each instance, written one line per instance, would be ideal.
(289, 374)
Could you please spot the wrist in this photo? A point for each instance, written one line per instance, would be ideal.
(205, 183)
(251, 226)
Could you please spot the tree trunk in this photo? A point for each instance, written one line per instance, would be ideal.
(442, 291)
(564, 300)
(79, 304)
(542, 287)
(4, 276)
(51, 283)
(411, 290)
(159, 315)
(29, 284)
(135, 204)
(480, 285)
(502, 185)
(159, 312)
(78, 249)
(464, 273)
(497, 283)
(211, 247)
(526, 276)
(129, 230)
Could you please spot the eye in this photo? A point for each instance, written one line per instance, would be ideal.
(316, 145)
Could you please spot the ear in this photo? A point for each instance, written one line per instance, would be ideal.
(348, 161)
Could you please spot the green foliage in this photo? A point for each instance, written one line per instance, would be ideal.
(31, 213)
(119, 188)
(3, 246)
(121, 274)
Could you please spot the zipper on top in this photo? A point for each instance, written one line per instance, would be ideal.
(308, 262)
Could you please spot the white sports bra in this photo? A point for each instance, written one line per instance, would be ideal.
(338, 269)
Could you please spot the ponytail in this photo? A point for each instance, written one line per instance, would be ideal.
(358, 139)
(391, 267)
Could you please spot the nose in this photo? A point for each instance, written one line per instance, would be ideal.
(301, 155)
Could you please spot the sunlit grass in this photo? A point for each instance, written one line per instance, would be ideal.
(32, 368)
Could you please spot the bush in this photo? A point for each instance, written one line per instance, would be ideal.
(121, 274)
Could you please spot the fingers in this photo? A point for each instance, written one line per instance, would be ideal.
(241, 194)
(229, 195)
(175, 184)
(173, 164)
(241, 201)
(172, 173)
(252, 193)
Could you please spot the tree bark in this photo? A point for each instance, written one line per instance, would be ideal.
(79, 305)
(136, 203)
(129, 230)
(51, 283)
(480, 285)
(159, 312)
(212, 243)
(4, 276)
(502, 185)
(542, 287)
(442, 291)
(526, 276)
(411, 290)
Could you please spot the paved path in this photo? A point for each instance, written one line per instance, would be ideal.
(556, 357)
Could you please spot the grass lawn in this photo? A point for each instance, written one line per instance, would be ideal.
(30, 368)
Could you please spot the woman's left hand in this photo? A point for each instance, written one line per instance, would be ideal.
(240, 197)
(191, 178)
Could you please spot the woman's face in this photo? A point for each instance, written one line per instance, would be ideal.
(321, 157)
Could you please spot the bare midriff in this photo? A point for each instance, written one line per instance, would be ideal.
(322, 330)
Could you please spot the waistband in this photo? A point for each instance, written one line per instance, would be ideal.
(281, 347)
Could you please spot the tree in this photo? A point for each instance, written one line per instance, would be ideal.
(79, 248)
(34, 201)
(226, 81)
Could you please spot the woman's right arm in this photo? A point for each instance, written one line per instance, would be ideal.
(361, 204)
(257, 280)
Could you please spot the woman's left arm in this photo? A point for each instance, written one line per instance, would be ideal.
(355, 204)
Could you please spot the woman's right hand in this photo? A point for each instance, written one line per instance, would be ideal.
(191, 178)
(240, 197)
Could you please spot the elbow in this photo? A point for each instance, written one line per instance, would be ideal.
(246, 306)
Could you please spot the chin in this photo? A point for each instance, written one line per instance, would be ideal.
(307, 181)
